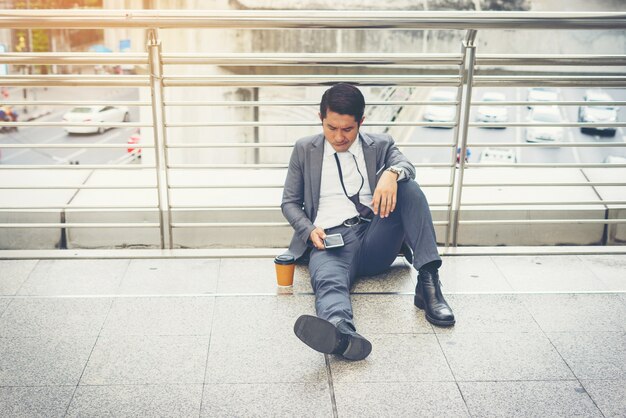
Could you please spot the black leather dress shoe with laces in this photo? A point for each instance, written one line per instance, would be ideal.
(428, 297)
(327, 338)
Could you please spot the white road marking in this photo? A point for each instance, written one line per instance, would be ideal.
(25, 150)
(106, 138)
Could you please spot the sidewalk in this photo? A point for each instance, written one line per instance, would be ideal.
(535, 336)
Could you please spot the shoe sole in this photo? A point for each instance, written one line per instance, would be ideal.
(419, 303)
(324, 337)
(317, 333)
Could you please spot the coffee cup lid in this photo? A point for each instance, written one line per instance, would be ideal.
(284, 259)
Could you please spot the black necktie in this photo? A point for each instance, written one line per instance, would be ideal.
(364, 211)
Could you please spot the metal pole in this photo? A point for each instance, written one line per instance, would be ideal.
(469, 49)
(160, 138)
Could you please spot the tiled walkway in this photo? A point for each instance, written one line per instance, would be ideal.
(535, 336)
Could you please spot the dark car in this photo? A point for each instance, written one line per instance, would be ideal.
(597, 114)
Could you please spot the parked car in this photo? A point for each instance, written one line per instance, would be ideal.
(495, 112)
(94, 114)
(544, 114)
(498, 156)
(597, 114)
(542, 94)
(440, 113)
(615, 159)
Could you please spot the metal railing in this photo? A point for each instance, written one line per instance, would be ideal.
(463, 73)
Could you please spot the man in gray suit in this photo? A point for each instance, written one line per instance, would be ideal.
(361, 186)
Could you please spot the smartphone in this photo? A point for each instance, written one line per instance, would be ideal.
(333, 241)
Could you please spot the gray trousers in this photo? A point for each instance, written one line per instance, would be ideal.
(369, 249)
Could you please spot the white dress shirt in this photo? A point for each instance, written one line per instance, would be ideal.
(334, 205)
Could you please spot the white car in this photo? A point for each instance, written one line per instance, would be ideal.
(498, 156)
(94, 114)
(495, 112)
(597, 114)
(441, 113)
(615, 159)
(542, 94)
(544, 114)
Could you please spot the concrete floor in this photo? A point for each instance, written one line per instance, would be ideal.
(535, 336)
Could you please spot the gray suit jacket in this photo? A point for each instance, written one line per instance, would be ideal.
(301, 194)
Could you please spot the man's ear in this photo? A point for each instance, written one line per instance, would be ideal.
(320, 116)
(362, 119)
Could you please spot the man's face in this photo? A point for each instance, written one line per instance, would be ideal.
(340, 130)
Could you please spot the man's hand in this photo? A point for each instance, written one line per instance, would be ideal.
(384, 198)
(317, 238)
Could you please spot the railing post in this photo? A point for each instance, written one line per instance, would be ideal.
(469, 59)
(160, 142)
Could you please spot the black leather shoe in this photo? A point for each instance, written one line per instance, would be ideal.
(327, 338)
(428, 297)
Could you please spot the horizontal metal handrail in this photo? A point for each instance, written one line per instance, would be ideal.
(73, 103)
(547, 80)
(300, 123)
(78, 187)
(312, 19)
(291, 145)
(76, 80)
(243, 224)
(547, 203)
(560, 124)
(77, 167)
(78, 145)
(545, 165)
(68, 123)
(308, 80)
(290, 103)
(548, 59)
(72, 58)
(82, 225)
(542, 221)
(546, 184)
(280, 166)
(559, 144)
(548, 103)
(262, 186)
(342, 59)
(81, 208)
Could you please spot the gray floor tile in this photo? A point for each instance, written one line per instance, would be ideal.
(528, 399)
(13, 273)
(43, 361)
(262, 358)
(170, 276)
(609, 395)
(611, 269)
(147, 360)
(136, 401)
(75, 277)
(577, 312)
(548, 273)
(472, 274)
(264, 400)
(257, 275)
(406, 399)
(488, 313)
(396, 358)
(35, 317)
(4, 303)
(503, 356)
(593, 355)
(45, 401)
(399, 278)
(260, 315)
(388, 314)
(160, 316)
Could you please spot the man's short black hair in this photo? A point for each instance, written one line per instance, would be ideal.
(344, 99)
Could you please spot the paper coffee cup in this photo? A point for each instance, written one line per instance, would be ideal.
(285, 267)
